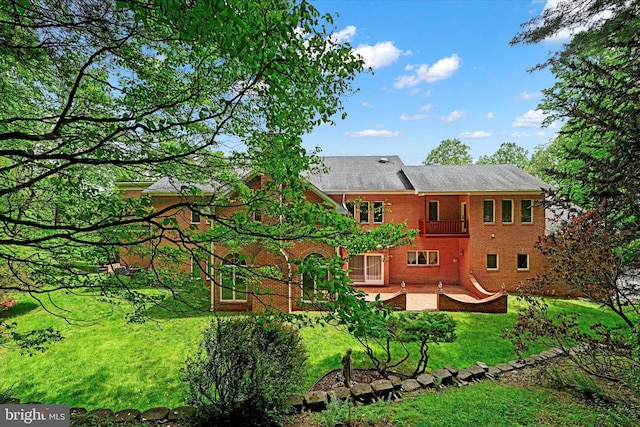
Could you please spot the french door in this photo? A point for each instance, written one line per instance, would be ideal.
(367, 269)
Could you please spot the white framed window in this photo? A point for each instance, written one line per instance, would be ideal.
(523, 261)
(233, 285)
(423, 258)
(507, 211)
(364, 212)
(526, 211)
(378, 212)
(492, 261)
(351, 207)
(434, 210)
(195, 217)
(488, 211)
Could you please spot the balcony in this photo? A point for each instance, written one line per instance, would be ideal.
(450, 227)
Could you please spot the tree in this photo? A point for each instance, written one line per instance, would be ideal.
(591, 256)
(449, 152)
(597, 96)
(508, 153)
(95, 91)
(544, 161)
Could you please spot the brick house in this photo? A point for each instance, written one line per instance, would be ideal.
(477, 228)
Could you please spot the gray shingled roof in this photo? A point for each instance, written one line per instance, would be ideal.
(472, 178)
(361, 173)
(171, 185)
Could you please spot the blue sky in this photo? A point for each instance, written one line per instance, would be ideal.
(442, 69)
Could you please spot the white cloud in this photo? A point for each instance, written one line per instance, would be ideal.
(528, 134)
(379, 55)
(529, 95)
(367, 105)
(373, 133)
(476, 134)
(413, 117)
(443, 69)
(530, 119)
(345, 35)
(427, 107)
(454, 116)
(491, 115)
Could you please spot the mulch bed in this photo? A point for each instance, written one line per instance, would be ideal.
(334, 378)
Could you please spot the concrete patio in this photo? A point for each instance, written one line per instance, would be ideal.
(419, 297)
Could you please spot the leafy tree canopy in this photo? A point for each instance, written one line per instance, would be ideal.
(449, 152)
(508, 153)
(95, 91)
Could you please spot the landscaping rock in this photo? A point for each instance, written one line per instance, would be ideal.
(494, 372)
(444, 376)
(547, 355)
(465, 375)
(477, 371)
(453, 370)
(410, 385)
(181, 412)
(316, 400)
(102, 413)
(155, 414)
(504, 367)
(530, 361)
(516, 364)
(126, 416)
(396, 381)
(382, 388)
(77, 412)
(426, 380)
(483, 365)
(362, 392)
(339, 393)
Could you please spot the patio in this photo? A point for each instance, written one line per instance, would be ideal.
(419, 297)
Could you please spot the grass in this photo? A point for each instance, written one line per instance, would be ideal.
(104, 361)
(486, 404)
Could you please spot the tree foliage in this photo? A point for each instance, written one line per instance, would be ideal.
(202, 94)
(509, 153)
(597, 97)
(449, 152)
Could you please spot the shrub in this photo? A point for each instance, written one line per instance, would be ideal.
(244, 371)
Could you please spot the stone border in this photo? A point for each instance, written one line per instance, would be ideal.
(393, 387)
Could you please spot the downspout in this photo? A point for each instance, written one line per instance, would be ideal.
(286, 258)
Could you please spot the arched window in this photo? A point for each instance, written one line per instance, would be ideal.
(233, 285)
(314, 278)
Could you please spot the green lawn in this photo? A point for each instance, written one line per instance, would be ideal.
(104, 361)
(488, 404)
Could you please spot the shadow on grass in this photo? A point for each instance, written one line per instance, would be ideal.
(184, 303)
(19, 309)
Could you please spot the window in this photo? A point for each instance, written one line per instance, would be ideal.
(526, 214)
(195, 217)
(233, 286)
(507, 211)
(422, 257)
(364, 212)
(492, 261)
(314, 278)
(257, 216)
(351, 207)
(523, 261)
(378, 212)
(488, 211)
(433, 211)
